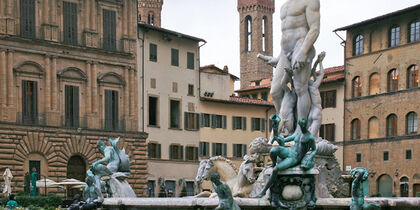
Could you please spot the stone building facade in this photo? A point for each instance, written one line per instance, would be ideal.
(256, 36)
(382, 101)
(149, 12)
(68, 78)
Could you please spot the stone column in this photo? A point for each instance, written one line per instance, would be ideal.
(88, 89)
(47, 80)
(127, 95)
(54, 83)
(132, 91)
(3, 87)
(10, 90)
(93, 15)
(94, 89)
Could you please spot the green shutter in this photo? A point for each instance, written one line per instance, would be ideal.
(34, 105)
(252, 124)
(201, 120)
(67, 101)
(207, 148)
(244, 150)
(213, 148)
(24, 100)
(243, 123)
(195, 153)
(158, 155)
(262, 124)
(235, 154)
(224, 122)
(213, 121)
(224, 150)
(170, 152)
(181, 152)
(197, 121)
(75, 106)
(186, 119)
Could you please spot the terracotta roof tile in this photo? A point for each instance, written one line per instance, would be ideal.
(268, 85)
(239, 100)
(334, 69)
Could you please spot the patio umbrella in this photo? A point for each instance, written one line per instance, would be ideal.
(71, 182)
(7, 176)
(46, 183)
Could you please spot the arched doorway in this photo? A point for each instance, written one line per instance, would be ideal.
(76, 169)
(404, 187)
(384, 184)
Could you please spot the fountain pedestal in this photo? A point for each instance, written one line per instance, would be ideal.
(295, 189)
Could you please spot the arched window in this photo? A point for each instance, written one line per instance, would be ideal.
(373, 128)
(356, 87)
(384, 185)
(355, 129)
(393, 80)
(151, 19)
(358, 45)
(413, 76)
(414, 31)
(264, 32)
(374, 84)
(404, 186)
(248, 30)
(391, 125)
(394, 36)
(412, 124)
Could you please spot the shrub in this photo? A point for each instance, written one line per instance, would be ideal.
(35, 202)
(418, 194)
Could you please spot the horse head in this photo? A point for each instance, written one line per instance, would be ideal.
(204, 170)
(247, 169)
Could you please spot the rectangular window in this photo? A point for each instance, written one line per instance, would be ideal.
(175, 114)
(239, 150)
(205, 120)
(72, 105)
(176, 152)
(69, 23)
(109, 30)
(408, 154)
(170, 187)
(327, 131)
(153, 52)
(153, 111)
(191, 121)
(204, 149)
(219, 149)
(238, 123)
(174, 87)
(264, 96)
(27, 18)
(191, 90)
(190, 188)
(254, 96)
(153, 83)
(190, 60)
(257, 124)
(154, 150)
(386, 156)
(218, 121)
(358, 157)
(174, 57)
(191, 153)
(111, 110)
(29, 102)
(328, 99)
(151, 188)
(35, 165)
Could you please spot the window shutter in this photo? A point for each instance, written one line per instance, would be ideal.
(76, 106)
(262, 124)
(207, 149)
(233, 123)
(149, 151)
(197, 121)
(224, 150)
(158, 155)
(201, 146)
(333, 132)
(24, 100)
(70, 23)
(234, 150)
(115, 110)
(224, 121)
(34, 105)
(243, 123)
(213, 147)
(195, 153)
(201, 120)
(67, 105)
(252, 124)
(109, 29)
(108, 110)
(244, 150)
(186, 119)
(27, 11)
(181, 152)
(213, 121)
(170, 152)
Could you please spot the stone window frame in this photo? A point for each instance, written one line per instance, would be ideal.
(248, 33)
(179, 115)
(392, 80)
(358, 45)
(356, 87)
(413, 76)
(371, 120)
(386, 156)
(157, 110)
(406, 154)
(394, 36)
(355, 129)
(391, 126)
(414, 123)
(413, 37)
(374, 74)
(358, 154)
(264, 30)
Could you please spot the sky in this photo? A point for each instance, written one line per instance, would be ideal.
(217, 22)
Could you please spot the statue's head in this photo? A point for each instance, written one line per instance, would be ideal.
(101, 145)
(303, 123)
(247, 168)
(215, 177)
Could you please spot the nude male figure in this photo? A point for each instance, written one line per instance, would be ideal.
(315, 114)
(300, 29)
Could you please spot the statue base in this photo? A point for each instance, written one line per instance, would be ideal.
(295, 189)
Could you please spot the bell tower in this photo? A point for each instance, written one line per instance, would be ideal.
(149, 12)
(256, 36)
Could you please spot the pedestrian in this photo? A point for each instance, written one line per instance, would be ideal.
(12, 204)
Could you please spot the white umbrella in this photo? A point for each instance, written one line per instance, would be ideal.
(46, 183)
(7, 176)
(71, 182)
(78, 186)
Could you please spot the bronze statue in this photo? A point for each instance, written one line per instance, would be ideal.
(291, 156)
(226, 201)
(359, 176)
